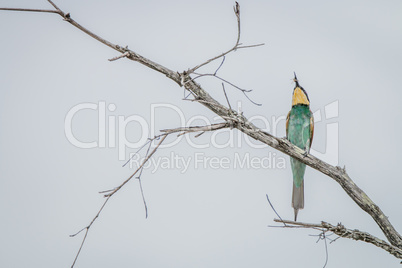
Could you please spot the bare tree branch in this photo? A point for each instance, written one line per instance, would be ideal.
(30, 10)
(343, 232)
(244, 125)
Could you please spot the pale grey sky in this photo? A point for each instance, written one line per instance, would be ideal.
(344, 52)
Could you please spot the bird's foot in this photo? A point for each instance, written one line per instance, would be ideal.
(305, 153)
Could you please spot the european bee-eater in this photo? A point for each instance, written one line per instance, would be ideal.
(299, 131)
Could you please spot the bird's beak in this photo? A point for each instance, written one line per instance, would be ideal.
(295, 80)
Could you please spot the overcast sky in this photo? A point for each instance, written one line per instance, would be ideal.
(206, 196)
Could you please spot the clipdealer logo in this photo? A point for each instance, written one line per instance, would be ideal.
(201, 160)
(111, 133)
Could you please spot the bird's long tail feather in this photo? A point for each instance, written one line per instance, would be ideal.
(298, 198)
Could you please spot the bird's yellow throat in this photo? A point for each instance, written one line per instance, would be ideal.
(299, 97)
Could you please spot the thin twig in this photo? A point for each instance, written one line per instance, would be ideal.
(255, 103)
(220, 65)
(326, 249)
(125, 54)
(30, 10)
(128, 161)
(269, 201)
(54, 5)
(222, 79)
(140, 183)
(244, 91)
(250, 46)
(185, 130)
(139, 168)
(199, 134)
(226, 96)
(323, 236)
(236, 10)
(86, 232)
(143, 198)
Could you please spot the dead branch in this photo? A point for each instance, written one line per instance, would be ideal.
(244, 125)
(343, 232)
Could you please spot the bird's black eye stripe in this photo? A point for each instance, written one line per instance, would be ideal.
(305, 93)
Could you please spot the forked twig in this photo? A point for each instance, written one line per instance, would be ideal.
(86, 231)
(237, 45)
(110, 194)
(244, 91)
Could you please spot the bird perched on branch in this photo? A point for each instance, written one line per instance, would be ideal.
(299, 131)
